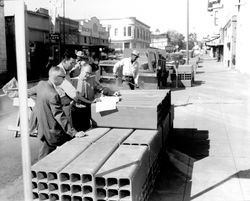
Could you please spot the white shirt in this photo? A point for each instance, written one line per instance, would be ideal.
(66, 87)
(128, 68)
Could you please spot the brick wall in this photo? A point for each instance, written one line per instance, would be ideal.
(3, 58)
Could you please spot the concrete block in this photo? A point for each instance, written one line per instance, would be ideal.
(128, 167)
(81, 170)
(152, 106)
(47, 168)
(150, 138)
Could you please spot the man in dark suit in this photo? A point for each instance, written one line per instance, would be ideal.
(54, 128)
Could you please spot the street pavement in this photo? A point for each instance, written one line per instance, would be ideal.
(209, 149)
(209, 155)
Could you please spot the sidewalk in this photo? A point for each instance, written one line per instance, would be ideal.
(211, 139)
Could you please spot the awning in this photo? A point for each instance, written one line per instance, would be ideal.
(213, 41)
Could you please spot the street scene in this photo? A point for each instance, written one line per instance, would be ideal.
(123, 107)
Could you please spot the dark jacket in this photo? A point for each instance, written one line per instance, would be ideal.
(53, 125)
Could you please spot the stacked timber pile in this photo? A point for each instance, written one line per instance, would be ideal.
(113, 163)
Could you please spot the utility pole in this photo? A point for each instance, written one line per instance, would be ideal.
(23, 102)
(187, 49)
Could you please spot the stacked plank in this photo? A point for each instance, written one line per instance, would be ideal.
(109, 163)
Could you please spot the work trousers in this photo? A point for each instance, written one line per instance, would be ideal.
(81, 117)
(128, 81)
(45, 149)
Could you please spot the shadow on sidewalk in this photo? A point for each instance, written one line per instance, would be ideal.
(198, 83)
(185, 147)
(244, 174)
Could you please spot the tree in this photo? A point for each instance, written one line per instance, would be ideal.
(175, 38)
(192, 41)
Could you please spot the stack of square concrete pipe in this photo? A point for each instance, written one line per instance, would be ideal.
(117, 160)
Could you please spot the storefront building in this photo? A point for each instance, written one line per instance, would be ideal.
(127, 33)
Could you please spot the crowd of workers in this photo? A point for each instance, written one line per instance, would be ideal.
(63, 102)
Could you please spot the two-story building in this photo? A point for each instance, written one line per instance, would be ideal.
(127, 33)
(93, 35)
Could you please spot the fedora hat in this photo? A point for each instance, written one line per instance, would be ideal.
(136, 53)
(80, 54)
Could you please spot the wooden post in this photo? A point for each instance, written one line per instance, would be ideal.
(23, 101)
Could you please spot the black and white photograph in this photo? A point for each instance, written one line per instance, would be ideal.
(114, 100)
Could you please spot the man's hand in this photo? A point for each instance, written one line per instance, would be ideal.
(136, 86)
(117, 93)
(80, 134)
(96, 100)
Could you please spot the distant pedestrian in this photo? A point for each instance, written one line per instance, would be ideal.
(130, 70)
(49, 64)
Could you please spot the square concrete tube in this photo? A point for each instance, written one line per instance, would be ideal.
(35, 196)
(161, 97)
(47, 168)
(138, 110)
(150, 138)
(43, 196)
(81, 171)
(128, 167)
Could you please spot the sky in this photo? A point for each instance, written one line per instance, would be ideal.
(158, 14)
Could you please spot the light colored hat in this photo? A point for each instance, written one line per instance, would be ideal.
(136, 53)
(80, 54)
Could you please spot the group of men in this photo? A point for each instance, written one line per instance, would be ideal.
(63, 102)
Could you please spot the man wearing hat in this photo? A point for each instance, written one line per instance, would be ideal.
(80, 61)
(130, 70)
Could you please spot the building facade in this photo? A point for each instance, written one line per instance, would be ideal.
(232, 17)
(159, 41)
(92, 33)
(41, 43)
(242, 37)
(125, 33)
(3, 57)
